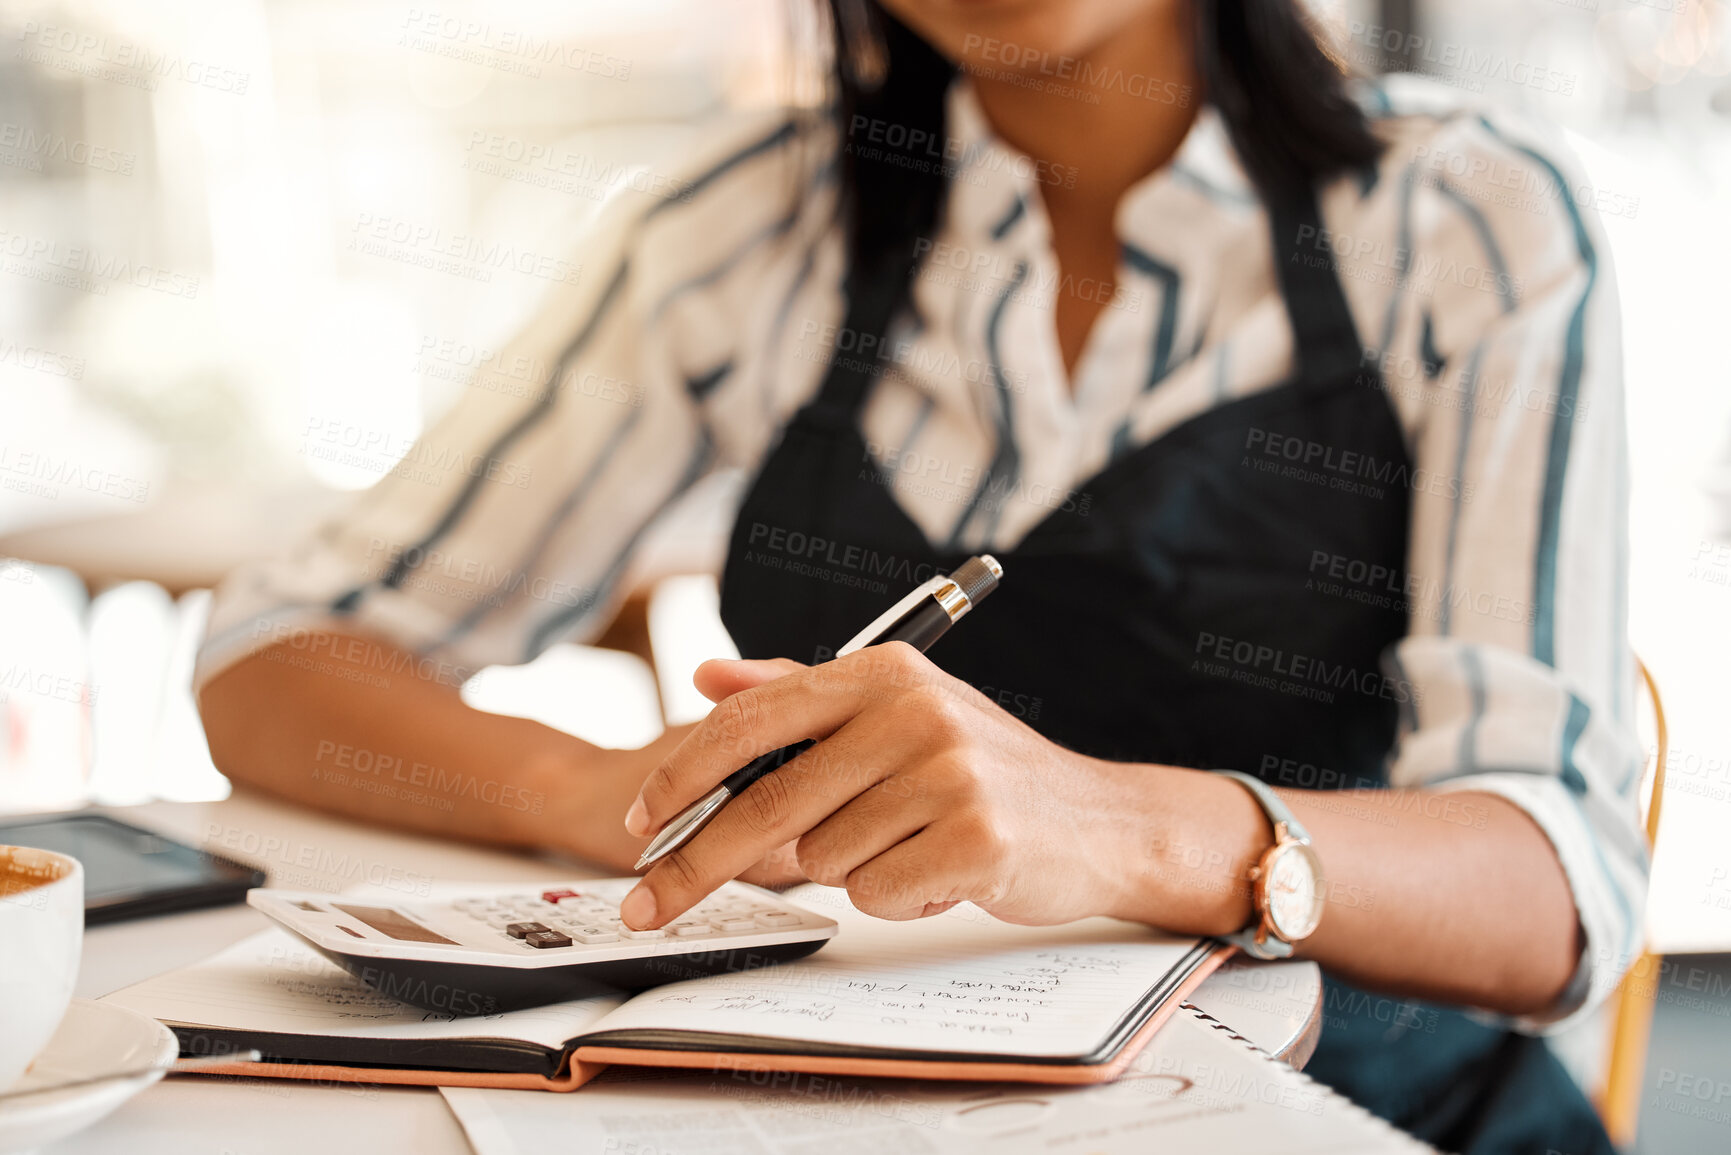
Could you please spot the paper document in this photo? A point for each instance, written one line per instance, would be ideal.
(1196, 1088)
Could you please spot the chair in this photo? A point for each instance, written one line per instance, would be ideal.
(1619, 1099)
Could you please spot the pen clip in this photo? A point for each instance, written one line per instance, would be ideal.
(893, 615)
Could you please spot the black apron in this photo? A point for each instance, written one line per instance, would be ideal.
(1178, 608)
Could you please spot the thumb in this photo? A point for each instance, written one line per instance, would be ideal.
(721, 678)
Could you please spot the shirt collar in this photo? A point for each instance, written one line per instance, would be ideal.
(994, 192)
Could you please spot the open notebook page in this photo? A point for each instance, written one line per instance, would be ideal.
(960, 981)
(273, 982)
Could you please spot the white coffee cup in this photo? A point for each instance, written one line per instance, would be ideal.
(41, 939)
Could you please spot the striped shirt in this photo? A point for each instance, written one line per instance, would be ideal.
(1481, 287)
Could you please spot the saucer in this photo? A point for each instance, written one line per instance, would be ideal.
(94, 1039)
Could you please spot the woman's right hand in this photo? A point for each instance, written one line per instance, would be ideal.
(587, 792)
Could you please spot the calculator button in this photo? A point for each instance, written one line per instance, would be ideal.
(554, 896)
(777, 918)
(627, 932)
(524, 929)
(690, 928)
(542, 939)
(500, 921)
(589, 935)
(735, 925)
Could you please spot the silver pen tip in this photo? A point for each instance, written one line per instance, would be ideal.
(684, 825)
(652, 851)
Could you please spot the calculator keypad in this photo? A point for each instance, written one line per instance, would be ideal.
(529, 946)
(567, 918)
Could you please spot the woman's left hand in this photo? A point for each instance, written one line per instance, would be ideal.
(920, 793)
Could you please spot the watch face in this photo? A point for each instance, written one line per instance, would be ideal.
(1294, 891)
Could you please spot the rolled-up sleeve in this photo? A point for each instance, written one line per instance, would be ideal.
(1523, 679)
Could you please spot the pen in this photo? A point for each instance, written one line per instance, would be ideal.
(919, 619)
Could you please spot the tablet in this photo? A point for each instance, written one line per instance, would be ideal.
(130, 872)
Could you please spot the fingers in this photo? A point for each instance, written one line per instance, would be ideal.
(881, 816)
(801, 703)
(777, 869)
(775, 809)
(720, 678)
(916, 878)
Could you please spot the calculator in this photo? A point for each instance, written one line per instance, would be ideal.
(505, 949)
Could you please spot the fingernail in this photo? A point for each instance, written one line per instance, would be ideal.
(637, 819)
(638, 909)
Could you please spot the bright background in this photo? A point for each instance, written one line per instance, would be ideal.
(223, 153)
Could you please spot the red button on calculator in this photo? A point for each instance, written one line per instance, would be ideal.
(556, 895)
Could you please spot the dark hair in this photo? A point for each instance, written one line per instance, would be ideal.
(1284, 103)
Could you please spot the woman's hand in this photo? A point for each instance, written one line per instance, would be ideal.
(920, 793)
(585, 796)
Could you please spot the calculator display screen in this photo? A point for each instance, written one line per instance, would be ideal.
(389, 922)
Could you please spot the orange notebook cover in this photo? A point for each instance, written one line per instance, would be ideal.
(959, 996)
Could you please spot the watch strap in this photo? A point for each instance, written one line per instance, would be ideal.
(1270, 802)
(1270, 948)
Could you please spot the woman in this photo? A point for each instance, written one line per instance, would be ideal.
(1299, 439)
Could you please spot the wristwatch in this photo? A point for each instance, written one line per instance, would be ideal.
(1288, 881)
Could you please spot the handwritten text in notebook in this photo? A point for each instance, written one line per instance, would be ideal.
(949, 983)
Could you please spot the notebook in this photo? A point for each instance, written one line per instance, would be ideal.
(957, 996)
